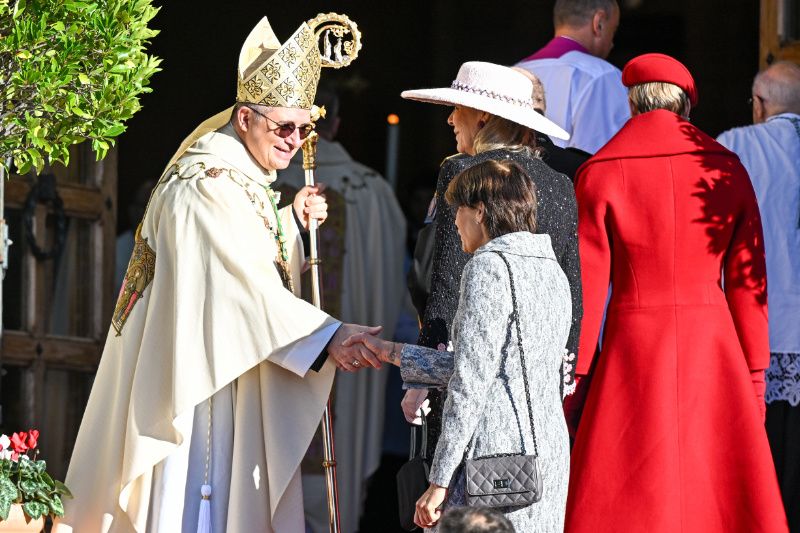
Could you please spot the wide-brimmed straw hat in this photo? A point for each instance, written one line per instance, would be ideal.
(496, 89)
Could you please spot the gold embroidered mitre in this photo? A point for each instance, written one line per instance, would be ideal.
(286, 75)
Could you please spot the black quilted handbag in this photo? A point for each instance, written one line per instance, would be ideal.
(508, 479)
(412, 478)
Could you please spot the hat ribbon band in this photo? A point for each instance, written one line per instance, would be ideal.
(491, 94)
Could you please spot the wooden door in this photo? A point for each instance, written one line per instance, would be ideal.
(57, 309)
(780, 31)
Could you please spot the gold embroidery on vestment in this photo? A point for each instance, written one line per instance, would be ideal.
(141, 270)
(249, 188)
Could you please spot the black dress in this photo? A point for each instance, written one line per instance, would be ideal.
(557, 216)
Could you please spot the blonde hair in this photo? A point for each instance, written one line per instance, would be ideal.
(659, 95)
(500, 133)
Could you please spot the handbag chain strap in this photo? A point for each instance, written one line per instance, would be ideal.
(423, 453)
(515, 318)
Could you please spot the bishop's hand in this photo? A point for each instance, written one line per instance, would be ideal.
(386, 351)
(309, 203)
(355, 357)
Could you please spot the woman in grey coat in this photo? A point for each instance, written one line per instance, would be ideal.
(483, 373)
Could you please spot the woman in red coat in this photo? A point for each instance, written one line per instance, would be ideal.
(671, 438)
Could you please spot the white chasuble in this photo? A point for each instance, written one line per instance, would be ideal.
(203, 314)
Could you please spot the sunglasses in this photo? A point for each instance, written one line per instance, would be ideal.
(286, 129)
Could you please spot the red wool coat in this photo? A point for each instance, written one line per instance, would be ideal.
(671, 438)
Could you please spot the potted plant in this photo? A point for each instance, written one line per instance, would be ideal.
(27, 492)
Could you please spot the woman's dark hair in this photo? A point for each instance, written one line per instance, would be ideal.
(507, 192)
(474, 520)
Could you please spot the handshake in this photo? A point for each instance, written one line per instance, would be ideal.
(354, 347)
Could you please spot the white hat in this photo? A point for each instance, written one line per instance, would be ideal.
(496, 89)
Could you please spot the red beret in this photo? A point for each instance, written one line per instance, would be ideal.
(647, 68)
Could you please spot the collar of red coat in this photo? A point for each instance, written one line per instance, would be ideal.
(657, 133)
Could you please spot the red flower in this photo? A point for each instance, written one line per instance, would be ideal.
(18, 442)
(33, 438)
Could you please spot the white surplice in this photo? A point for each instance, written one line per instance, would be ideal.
(771, 154)
(215, 322)
(584, 95)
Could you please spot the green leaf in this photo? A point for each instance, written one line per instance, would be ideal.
(48, 480)
(23, 165)
(34, 509)
(57, 506)
(120, 68)
(114, 130)
(5, 508)
(8, 491)
(62, 489)
(84, 79)
(29, 486)
(81, 113)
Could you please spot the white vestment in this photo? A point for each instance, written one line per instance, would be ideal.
(584, 95)
(770, 152)
(213, 321)
(372, 292)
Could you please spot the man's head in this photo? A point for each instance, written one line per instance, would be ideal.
(272, 135)
(592, 23)
(275, 91)
(776, 90)
(474, 520)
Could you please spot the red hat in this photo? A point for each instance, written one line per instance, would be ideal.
(647, 68)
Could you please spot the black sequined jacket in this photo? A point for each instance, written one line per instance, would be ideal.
(557, 215)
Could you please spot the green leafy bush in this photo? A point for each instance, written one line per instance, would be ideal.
(24, 479)
(70, 70)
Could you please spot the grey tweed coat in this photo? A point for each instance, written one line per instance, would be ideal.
(483, 372)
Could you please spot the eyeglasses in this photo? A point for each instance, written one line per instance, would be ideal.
(755, 97)
(286, 129)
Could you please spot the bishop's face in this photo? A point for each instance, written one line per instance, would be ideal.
(262, 134)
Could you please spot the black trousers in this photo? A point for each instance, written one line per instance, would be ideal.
(783, 431)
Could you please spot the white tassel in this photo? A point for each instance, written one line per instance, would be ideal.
(204, 516)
